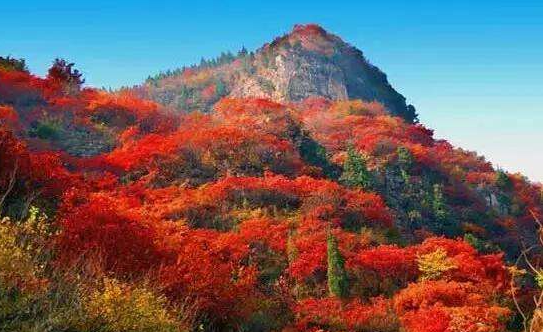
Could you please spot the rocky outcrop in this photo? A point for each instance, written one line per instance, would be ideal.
(306, 62)
(311, 62)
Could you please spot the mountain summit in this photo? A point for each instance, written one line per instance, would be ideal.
(306, 62)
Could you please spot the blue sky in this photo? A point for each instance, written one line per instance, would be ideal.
(473, 69)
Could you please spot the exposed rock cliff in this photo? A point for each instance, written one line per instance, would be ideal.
(306, 62)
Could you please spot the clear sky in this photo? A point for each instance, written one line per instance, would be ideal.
(473, 69)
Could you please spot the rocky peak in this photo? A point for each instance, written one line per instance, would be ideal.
(310, 37)
(308, 61)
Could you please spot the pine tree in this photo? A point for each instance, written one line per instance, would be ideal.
(63, 72)
(405, 158)
(503, 181)
(314, 154)
(337, 278)
(8, 64)
(220, 88)
(355, 171)
(243, 52)
(438, 203)
(405, 162)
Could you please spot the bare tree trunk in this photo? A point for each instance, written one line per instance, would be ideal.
(28, 201)
(535, 324)
(11, 184)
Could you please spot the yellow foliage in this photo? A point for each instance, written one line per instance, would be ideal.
(358, 107)
(21, 246)
(128, 308)
(433, 265)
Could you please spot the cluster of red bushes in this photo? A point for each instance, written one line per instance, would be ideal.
(225, 210)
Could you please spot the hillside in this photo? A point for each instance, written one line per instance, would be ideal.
(336, 212)
(306, 62)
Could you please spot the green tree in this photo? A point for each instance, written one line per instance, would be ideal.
(405, 162)
(480, 245)
(355, 170)
(64, 72)
(405, 158)
(314, 154)
(9, 64)
(503, 181)
(337, 278)
(438, 203)
(220, 88)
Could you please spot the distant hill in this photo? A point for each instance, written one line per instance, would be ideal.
(306, 62)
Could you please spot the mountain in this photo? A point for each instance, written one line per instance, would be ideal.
(317, 212)
(306, 62)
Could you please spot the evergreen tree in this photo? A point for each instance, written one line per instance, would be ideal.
(438, 203)
(8, 64)
(337, 278)
(63, 72)
(503, 181)
(243, 52)
(220, 88)
(405, 159)
(355, 171)
(405, 162)
(314, 154)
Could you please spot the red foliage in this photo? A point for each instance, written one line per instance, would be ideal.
(14, 158)
(434, 319)
(201, 203)
(488, 270)
(387, 261)
(456, 306)
(209, 271)
(8, 117)
(272, 233)
(208, 93)
(105, 228)
(332, 314)
(426, 294)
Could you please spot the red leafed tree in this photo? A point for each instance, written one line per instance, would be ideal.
(332, 315)
(208, 270)
(122, 241)
(434, 319)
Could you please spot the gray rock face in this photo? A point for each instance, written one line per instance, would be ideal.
(315, 63)
(310, 76)
(306, 62)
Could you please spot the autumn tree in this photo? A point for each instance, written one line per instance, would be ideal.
(433, 265)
